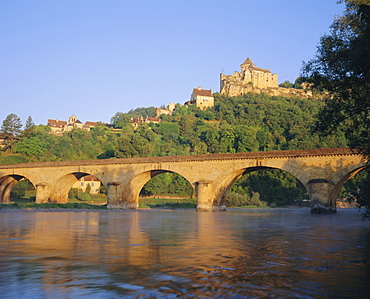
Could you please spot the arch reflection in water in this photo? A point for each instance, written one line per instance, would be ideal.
(259, 253)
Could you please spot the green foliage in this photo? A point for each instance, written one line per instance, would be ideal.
(150, 111)
(131, 146)
(234, 199)
(52, 206)
(83, 196)
(165, 203)
(286, 84)
(205, 114)
(341, 67)
(11, 128)
(121, 120)
(275, 187)
(167, 184)
(88, 188)
(31, 147)
(28, 127)
(253, 122)
(19, 189)
(73, 193)
(357, 190)
(12, 159)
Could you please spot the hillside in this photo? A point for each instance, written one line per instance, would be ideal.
(253, 122)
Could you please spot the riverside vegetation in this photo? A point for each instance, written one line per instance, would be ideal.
(253, 122)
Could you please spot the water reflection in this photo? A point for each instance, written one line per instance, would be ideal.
(239, 253)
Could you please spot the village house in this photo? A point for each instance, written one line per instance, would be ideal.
(168, 111)
(2, 140)
(136, 121)
(58, 127)
(82, 183)
(202, 98)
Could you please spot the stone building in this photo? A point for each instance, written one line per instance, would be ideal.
(58, 127)
(202, 98)
(82, 183)
(168, 111)
(3, 138)
(257, 80)
(249, 77)
(136, 121)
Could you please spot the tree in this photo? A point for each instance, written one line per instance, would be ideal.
(31, 146)
(132, 145)
(341, 68)
(88, 188)
(286, 84)
(121, 120)
(11, 128)
(28, 127)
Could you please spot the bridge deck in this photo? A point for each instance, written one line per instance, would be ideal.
(187, 158)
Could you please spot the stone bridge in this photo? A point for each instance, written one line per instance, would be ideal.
(321, 171)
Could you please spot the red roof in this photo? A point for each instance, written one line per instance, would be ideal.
(91, 123)
(150, 118)
(56, 123)
(202, 92)
(89, 178)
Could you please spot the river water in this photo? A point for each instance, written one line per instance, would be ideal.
(240, 253)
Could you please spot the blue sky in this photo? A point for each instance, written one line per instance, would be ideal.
(93, 58)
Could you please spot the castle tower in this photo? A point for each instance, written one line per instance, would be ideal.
(249, 77)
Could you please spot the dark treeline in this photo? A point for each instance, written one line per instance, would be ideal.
(253, 122)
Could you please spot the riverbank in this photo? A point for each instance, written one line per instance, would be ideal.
(51, 206)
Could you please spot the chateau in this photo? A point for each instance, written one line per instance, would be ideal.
(256, 80)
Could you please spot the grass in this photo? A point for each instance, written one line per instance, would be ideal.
(32, 205)
(98, 202)
(166, 203)
(96, 199)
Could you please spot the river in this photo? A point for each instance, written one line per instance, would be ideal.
(240, 253)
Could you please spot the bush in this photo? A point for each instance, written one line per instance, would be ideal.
(237, 200)
(73, 193)
(19, 190)
(84, 196)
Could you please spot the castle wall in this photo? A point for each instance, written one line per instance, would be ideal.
(256, 80)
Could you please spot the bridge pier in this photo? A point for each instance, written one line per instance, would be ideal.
(42, 193)
(205, 195)
(116, 199)
(319, 192)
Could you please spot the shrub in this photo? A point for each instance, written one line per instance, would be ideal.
(237, 200)
(73, 193)
(84, 196)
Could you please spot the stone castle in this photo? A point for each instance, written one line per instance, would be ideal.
(256, 80)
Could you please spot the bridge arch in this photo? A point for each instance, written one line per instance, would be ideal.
(60, 189)
(7, 183)
(131, 192)
(223, 184)
(341, 177)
